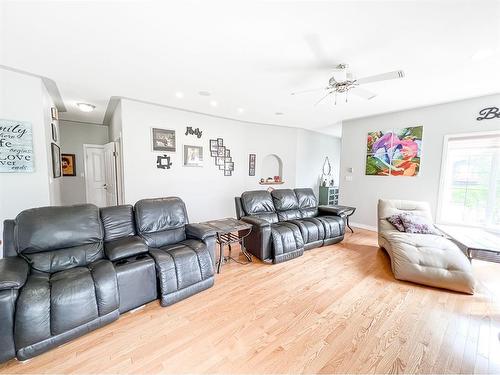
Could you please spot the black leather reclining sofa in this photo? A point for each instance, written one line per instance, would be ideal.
(69, 270)
(286, 222)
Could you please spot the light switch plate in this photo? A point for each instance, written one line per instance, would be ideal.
(348, 177)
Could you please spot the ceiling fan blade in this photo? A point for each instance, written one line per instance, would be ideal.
(323, 98)
(381, 77)
(324, 61)
(306, 91)
(362, 93)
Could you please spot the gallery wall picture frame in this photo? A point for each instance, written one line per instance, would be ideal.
(213, 147)
(220, 142)
(68, 164)
(163, 140)
(54, 113)
(56, 160)
(54, 131)
(221, 151)
(219, 160)
(228, 173)
(193, 156)
(251, 164)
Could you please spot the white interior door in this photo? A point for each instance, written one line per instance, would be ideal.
(95, 177)
(110, 174)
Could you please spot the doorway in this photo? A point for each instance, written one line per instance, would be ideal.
(100, 174)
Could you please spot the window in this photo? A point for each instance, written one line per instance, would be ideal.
(470, 189)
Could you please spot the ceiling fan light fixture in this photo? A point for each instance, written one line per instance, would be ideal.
(85, 107)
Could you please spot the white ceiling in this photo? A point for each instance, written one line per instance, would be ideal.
(252, 54)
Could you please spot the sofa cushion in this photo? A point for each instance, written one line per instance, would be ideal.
(118, 221)
(182, 265)
(125, 247)
(308, 204)
(51, 304)
(311, 229)
(428, 259)
(161, 221)
(286, 204)
(57, 227)
(286, 238)
(334, 226)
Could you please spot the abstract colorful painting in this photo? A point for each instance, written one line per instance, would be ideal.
(394, 152)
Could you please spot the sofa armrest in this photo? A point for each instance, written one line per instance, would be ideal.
(255, 221)
(331, 210)
(13, 273)
(199, 231)
(125, 247)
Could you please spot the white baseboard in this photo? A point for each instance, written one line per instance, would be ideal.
(363, 226)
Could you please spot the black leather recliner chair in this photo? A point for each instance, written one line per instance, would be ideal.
(286, 222)
(69, 270)
(64, 285)
(184, 253)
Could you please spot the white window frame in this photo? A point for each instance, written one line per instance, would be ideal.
(442, 176)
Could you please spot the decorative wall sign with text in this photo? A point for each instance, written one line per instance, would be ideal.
(16, 147)
(251, 164)
(163, 162)
(488, 113)
(190, 130)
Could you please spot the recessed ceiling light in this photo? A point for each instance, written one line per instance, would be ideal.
(179, 94)
(279, 113)
(85, 107)
(241, 110)
(213, 103)
(483, 54)
(204, 93)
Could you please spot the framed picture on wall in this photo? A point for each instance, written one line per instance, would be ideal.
(54, 113)
(68, 165)
(193, 156)
(251, 164)
(54, 131)
(56, 160)
(163, 140)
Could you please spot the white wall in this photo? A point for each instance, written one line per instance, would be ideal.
(73, 136)
(364, 191)
(207, 192)
(24, 98)
(312, 149)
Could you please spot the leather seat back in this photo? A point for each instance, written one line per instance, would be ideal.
(59, 238)
(259, 203)
(118, 222)
(161, 221)
(286, 203)
(308, 204)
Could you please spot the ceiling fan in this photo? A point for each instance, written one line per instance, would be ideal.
(350, 85)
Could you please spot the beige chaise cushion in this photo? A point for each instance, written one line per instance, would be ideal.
(422, 258)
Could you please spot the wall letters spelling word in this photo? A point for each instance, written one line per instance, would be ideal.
(16, 147)
(197, 131)
(488, 113)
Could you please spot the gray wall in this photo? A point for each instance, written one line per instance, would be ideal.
(312, 149)
(207, 192)
(73, 136)
(364, 191)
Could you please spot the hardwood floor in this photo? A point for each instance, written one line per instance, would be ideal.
(337, 309)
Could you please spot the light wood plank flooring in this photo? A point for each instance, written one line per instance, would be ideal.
(337, 309)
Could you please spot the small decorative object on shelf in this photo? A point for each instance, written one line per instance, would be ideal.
(328, 195)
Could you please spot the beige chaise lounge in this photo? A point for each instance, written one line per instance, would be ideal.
(422, 258)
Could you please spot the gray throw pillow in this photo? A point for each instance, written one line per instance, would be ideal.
(417, 224)
(395, 220)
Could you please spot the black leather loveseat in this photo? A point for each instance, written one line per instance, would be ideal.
(69, 270)
(286, 222)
